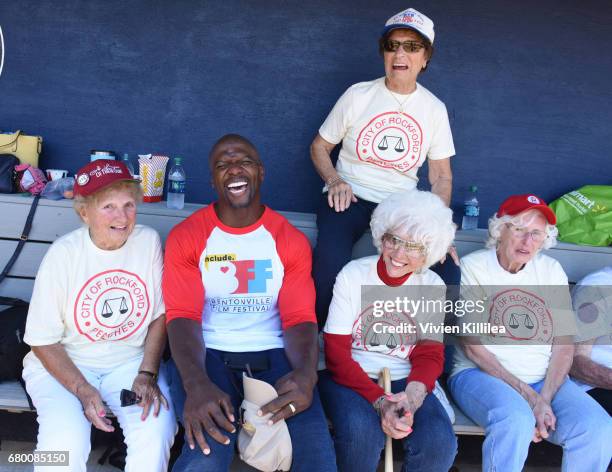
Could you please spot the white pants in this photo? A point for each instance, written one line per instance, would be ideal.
(64, 427)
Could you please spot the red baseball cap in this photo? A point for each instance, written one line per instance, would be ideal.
(99, 174)
(519, 203)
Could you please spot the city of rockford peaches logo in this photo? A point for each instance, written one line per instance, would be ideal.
(391, 140)
(111, 305)
(525, 316)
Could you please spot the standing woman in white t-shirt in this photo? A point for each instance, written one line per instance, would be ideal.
(388, 128)
(96, 326)
(514, 382)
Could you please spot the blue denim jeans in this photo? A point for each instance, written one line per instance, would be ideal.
(337, 233)
(359, 438)
(312, 445)
(584, 429)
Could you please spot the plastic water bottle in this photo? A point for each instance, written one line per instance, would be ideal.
(471, 210)
(176, 185)
(128, 164)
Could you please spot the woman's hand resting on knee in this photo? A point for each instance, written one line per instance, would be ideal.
(147, 389)
(93, 407)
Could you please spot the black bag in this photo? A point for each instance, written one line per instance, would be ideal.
(12, 347)
(13, 319)
(7, 173)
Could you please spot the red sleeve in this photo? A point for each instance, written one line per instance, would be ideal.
(427, 361)
(296, 298)
(345, 370)
(182, 281)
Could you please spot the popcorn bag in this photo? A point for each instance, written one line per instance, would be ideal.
(152, 176)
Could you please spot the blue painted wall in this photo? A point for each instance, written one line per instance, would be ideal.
(528, 85)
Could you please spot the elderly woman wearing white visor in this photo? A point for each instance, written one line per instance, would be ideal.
(388, 128)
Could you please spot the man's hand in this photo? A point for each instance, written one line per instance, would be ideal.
(395, 416)
(207, 408)
(340, 195)
(545, 419)
(294, 389)
(148, 391)
(93, 407)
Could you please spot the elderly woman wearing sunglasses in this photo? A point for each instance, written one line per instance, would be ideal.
(411, 230)
(513, 382)
(388, 128)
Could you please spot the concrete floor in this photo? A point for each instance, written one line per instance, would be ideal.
(18, 431)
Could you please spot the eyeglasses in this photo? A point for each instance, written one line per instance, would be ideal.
(520, 232)
(390, 45)
(411, 248)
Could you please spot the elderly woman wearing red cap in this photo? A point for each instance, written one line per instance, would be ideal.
(388, 127)
(513, 380)
(96, 326)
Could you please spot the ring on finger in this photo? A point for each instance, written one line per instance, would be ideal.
(292, 408)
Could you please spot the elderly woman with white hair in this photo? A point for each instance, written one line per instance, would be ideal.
(411, 230)
(513, 381)
(96, 325)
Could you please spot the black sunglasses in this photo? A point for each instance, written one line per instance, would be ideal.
(390, 45)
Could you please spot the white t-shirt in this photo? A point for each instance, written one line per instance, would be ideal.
(383, 148)
(370, 348)
(98, 304)
(592, 299)
(531, 315)
(246, 286)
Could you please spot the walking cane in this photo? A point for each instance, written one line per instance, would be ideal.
(385, 382)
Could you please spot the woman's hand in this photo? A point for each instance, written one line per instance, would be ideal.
(395, 416)
(452, 251)
(146, 388)
(340, 195)
(93, 407)
(545, 419)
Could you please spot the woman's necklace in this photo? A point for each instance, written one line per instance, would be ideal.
(400, 110)
(401, 104)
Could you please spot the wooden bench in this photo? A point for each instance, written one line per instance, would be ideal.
(55, 218)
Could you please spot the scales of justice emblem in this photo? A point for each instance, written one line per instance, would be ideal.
(114, 306)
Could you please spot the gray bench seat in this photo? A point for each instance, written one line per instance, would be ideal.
(55, 218)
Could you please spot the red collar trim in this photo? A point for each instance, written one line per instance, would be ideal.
(229, 229)
(381, 270)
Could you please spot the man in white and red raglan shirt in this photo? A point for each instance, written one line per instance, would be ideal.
(238, 291)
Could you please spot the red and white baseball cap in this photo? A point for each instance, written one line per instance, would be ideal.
(519, 203)
(99, 174)
(411, 19)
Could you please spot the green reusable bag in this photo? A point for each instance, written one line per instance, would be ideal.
(584, 216)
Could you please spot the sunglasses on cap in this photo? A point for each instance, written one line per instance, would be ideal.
(391, 45)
